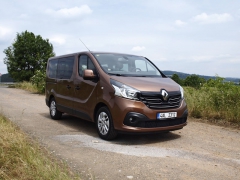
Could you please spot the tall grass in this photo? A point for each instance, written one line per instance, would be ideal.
(22, 159)
(26, 86)
(215, 100)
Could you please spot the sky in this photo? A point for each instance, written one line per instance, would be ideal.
(195, 37)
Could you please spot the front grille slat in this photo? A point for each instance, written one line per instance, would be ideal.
(155, 100)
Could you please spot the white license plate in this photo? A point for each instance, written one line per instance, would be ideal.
(166, 115)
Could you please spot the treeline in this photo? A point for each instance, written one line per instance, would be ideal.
(6, 78)
(195, 80)
(185, 75)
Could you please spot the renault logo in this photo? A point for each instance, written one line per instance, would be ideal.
(164, 94)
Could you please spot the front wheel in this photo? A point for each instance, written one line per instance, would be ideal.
(54, 113)
(104, 124)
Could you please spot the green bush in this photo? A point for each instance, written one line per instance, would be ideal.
(194, 81)
(26, 86)
(39, 80)
(216, 100)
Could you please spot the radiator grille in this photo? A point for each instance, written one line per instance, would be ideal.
(156, 101)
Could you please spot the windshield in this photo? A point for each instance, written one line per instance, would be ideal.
(126, 65)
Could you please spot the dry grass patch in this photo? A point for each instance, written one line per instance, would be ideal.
(20, 158)
(26, 86)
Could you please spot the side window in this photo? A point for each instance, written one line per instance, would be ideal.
(65, 68)
(52, 68)
(150, 67)
(152, 70)
(85, 62)
(141, 65)
(69, 67)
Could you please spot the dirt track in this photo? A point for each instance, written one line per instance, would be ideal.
(198, 151)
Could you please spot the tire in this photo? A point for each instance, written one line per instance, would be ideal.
(104, 124)
(54, 113)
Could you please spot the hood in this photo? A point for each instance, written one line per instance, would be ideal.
(151, 84)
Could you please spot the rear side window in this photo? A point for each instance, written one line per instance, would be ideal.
(85, 63)
(65, 68)
(52, 68)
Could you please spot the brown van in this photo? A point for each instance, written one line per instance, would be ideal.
(119, 92)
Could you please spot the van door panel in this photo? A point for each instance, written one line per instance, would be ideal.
(85, 90)
(65, 88)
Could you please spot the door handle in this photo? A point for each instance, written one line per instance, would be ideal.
(77, 87)
(68, 87)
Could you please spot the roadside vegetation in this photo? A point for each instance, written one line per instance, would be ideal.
(35, 85)
(214, 100)
(217, 101)
(21, 158)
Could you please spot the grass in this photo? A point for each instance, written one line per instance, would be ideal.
(214, 103)
(26, 86)
(21, 158)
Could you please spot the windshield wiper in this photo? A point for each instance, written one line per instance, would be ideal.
(116, 74)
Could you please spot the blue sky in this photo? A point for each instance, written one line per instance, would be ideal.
(196, 37)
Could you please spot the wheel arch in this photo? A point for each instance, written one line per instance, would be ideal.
(50, 97)
(97, 107)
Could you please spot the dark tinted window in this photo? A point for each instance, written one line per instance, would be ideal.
(85, 63)
(52, 68)
(65, 68)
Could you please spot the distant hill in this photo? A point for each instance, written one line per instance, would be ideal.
(184, 75)
(6, 78)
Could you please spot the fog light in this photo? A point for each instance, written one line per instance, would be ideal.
(132, 119)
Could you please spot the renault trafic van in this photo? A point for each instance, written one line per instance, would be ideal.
(119, 92)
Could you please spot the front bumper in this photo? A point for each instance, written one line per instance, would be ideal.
(135, 116)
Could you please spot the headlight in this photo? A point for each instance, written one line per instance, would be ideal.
(182, 92)
(123, 90)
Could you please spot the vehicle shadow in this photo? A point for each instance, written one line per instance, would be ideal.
(88, 128)
(78, 125)
(138, 139)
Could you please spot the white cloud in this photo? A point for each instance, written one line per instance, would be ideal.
(5, 32)
(58, 40)
(180, 23)
(71, 12)
(202, 58)
(138, 48)
(204, 18)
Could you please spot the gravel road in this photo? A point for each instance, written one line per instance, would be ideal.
(198, 151)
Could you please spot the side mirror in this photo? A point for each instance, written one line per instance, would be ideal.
(88, 74)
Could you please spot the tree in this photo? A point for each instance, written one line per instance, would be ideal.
(194, 81)
(27, 54)
(176, 78)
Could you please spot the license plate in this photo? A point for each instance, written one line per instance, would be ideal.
(166, 115)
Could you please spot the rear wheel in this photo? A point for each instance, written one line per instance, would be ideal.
(104, 124)
(54, 113)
